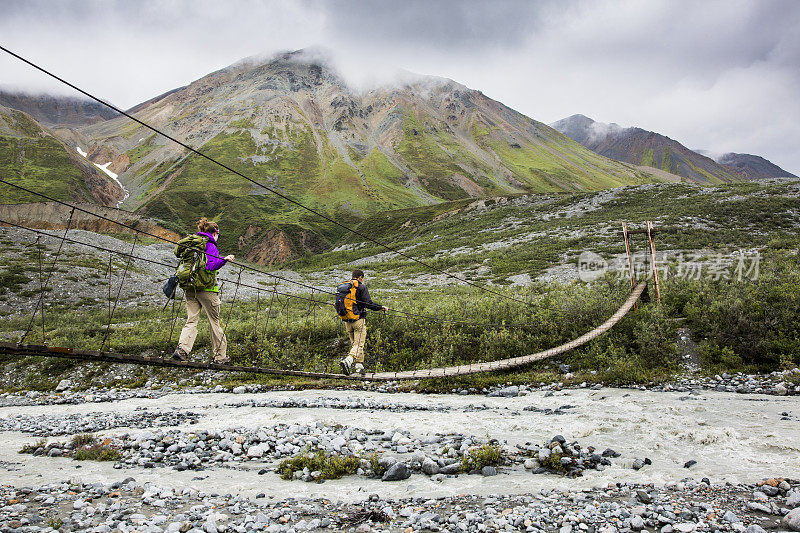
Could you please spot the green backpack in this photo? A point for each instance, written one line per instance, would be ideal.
(192, 273)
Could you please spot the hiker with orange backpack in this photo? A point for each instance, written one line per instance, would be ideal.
(352, 301)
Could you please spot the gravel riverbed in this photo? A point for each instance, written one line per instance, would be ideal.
(635, 460)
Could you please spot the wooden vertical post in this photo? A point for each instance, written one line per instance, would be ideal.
(628, 252)
(653, 262)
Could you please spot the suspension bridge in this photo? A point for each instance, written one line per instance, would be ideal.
(103, 354)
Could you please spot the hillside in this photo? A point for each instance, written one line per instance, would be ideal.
(57, 111)
(32, 157)
(294, 124)
(641, 147)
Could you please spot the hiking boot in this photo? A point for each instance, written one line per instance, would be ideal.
(359, 369)
(346, 365)
(222, 360)
(180, 354)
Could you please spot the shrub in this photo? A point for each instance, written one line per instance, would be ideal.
(82, 440)
(485, 455)
(30, 448)
(330, 466)
(97, 452)
(375, 465)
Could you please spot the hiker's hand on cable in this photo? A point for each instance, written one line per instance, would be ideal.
(229, 257)
(385, 308)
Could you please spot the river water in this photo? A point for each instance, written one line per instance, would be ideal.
(733, 437)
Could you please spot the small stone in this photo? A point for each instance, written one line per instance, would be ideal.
(755, 528)
(793, 499)
(690, 463)
(769, 490)
(241, 389)
(643, 496)
(63, 385)
(637, 523)
(731, 517)
(637, 464)
(780, 390)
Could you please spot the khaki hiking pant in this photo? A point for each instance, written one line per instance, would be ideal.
(358, 335)
(209, 302)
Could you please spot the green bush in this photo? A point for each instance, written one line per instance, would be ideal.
(485, 455)
(331, 466)
(750, 322)
(97, 452)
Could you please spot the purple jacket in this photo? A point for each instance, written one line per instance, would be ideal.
(213, 260)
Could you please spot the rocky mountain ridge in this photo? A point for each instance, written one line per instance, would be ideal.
(753, 167)
(57, 111)
(641, 147)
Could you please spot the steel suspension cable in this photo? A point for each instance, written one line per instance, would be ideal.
(297, 283)
(258, 183)
(161, 238)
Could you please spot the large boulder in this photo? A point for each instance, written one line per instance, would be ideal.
(397, 472)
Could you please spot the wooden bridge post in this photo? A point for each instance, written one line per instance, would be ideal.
(653, 263)
(628, 252)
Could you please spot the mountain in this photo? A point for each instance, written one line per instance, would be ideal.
(646, 148)
(57, 111)
(32, 157)
(753, 167)
(293, 123)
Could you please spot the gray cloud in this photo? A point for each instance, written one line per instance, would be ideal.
(720, 75)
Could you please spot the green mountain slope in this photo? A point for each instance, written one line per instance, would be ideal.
(30, 156)
(294, 124)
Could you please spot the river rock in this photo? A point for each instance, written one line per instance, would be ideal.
(489, 471)
(453, 468)
(793, 499)
(769, 490)
(63, 385)
(792, 519)
(397, 472)
(506, 392)
(430, 467)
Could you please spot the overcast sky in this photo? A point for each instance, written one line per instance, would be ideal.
(718, 75)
